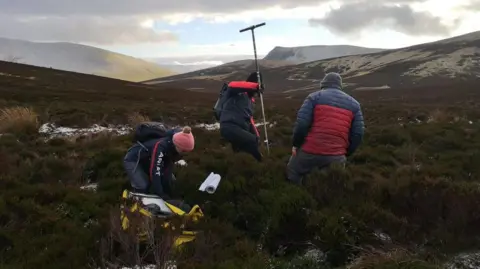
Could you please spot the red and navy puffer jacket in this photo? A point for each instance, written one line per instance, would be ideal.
(330, 122)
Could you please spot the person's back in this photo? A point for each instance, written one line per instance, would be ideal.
(329, 128)
(139, 166)
(330, 125)
(236, 118)
(237, 109)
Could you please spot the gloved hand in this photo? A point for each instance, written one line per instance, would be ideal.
(294, 151)
(261, 88)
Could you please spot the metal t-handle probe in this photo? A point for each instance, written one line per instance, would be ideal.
(252, 28)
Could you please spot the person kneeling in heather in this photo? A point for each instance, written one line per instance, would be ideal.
(149, 165)
(329, 128)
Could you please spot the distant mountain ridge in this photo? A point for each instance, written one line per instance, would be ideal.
(305, 54)
(80, 58)
(278, 56)
(446, 61)
(186, 64)
(223, 71)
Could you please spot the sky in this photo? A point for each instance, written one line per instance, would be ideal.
(185, 28)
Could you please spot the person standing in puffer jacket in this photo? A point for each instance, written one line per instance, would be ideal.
(329, 128)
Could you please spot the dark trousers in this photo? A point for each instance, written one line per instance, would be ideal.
(140, 182)
(303, 163)
(241, 140)
(138, 178)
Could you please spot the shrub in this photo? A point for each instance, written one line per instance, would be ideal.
(119, 247)
(136, 118)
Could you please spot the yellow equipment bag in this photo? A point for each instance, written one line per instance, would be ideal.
(141, 203)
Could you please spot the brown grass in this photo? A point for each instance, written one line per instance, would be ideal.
(136, 118)
(438, 116)
(395, 258)
(18, 120)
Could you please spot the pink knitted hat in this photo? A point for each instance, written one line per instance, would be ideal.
(184, 140)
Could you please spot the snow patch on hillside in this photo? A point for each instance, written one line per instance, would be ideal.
(458, 62)
(209, 126)
(90, 187)
(169, 265)
(359, 65)
(10, 75)
(305, 54)
(465, 260)
(54, 131)
(216, 126)
(181, 163)
(382, 236)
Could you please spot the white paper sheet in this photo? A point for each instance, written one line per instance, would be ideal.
(157, 201)
(211, 183)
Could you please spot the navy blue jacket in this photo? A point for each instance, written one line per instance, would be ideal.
(238, 106)
(156, 158)
(330, 122)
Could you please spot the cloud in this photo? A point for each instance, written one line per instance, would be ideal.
(199, 63)
(349, 19)
(141, 7)
(85, 29)
(154, 7)
(472, 5)
(107, 22)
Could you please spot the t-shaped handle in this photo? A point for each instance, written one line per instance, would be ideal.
(252, 27)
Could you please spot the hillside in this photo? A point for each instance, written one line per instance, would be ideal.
(435, 63)
(450, 60)
(187, 64)
(80, 58)
(281, 55)
(211, 76)
(305, 54)
(408, 197)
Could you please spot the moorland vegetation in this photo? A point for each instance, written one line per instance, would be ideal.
(408, 198)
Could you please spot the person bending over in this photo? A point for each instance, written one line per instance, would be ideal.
(236, 119)
(149, 165)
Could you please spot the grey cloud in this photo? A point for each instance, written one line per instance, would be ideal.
(472, 5)
(107, 21)
(351, 18)
(139, 7)
(97, 30)
(116, 21)
(151, 7)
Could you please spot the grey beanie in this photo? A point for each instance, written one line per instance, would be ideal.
(331, 80)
